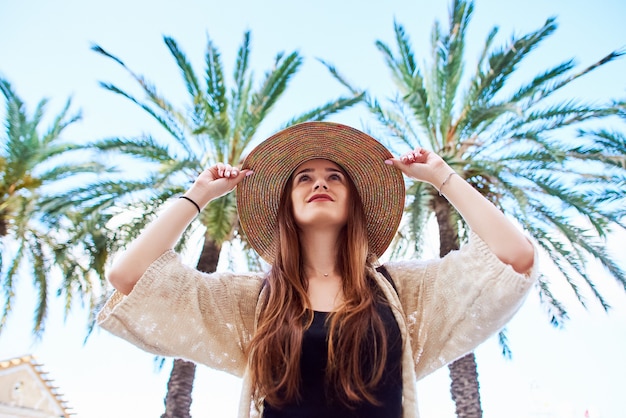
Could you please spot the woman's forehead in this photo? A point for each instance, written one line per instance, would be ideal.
(318, 163)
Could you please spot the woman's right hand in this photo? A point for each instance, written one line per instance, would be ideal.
(214, 182)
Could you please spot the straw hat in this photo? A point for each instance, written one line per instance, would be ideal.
(381, 186)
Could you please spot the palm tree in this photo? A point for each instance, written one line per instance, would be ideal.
(216, 125)
(33, 162)
(517, 145)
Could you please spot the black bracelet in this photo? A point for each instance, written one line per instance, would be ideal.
(191, 200)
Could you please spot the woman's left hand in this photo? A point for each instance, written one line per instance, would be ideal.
(502, 237)
(423, 165)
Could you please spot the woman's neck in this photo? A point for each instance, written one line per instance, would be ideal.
(324, 283)
(319, 250)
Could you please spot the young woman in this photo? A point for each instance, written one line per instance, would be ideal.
(326, 332)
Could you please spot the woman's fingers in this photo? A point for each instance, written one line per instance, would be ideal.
(420, 164)
(226, 170)
(418, 155)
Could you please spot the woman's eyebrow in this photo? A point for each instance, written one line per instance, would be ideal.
(305, 170)
(309, 170)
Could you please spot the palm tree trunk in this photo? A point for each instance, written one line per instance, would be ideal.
(180, 384)
(179, 388)
(4, 230)
(464, 387)
(463, 372)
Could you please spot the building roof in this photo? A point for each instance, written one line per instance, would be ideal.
(27, 391)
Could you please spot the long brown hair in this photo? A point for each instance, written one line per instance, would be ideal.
(275, 350)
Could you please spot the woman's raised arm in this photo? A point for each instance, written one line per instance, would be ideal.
(163, 233)
(488, 222)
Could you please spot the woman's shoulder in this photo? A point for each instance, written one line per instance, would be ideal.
(252, 280)
(400, 269)
(171, 269)
(474, 248)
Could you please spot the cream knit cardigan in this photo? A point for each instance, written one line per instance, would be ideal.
(445, 308)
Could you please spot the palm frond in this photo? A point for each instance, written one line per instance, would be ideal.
(608, 147)
(144, 148)
(555, 309)
(568, 199)
(605, 60)
(241, 72)
(39, 270)
(417, 206)
(61, 121)
(560, 115)
(572, 249)
(448, 67)
(503, 341)
(165, 114)
(214, 77)
(8, 283)
(274, 83)
(395, 121)
(220, 217)
(503, 62)
(340, 78)
(148, 88)
(326, 110)
(535, 88)
(242, 130)
(244, 126)
(191, 82)
(409, 80)
(562, 257)
(97, 195)
(406, 71)
(166, 121)
(216, 123)
(66, 171)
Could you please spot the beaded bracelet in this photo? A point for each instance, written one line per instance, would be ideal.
(445, 181)
(191, 200)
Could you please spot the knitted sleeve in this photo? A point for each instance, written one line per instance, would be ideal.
(455, 303)
(174, 310)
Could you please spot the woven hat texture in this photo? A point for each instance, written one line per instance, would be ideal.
(381, 186)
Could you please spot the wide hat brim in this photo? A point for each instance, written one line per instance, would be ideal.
(381, 186)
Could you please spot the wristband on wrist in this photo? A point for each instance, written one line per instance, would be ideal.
(445, 181)
(190, 200)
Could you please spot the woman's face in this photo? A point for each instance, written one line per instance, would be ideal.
(320, 194)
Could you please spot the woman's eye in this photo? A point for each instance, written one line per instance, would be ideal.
(335, 177)
(303, 177)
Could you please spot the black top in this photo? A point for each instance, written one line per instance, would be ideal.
(316, 403)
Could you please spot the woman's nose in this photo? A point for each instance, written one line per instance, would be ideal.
(320, 183)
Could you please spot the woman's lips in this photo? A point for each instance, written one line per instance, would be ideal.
(320, 197)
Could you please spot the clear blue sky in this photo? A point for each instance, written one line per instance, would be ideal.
(44, 52)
